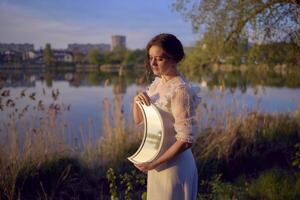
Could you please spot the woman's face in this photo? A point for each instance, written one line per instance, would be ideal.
(160, 63)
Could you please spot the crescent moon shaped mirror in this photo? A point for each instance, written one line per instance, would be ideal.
(153, 135)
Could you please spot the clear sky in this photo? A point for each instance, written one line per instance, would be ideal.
(61, 22)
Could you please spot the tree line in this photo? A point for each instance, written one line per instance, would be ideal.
(94, 56)
(243, 32)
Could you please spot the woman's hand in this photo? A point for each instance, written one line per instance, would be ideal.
(143, 98)
(145, 167)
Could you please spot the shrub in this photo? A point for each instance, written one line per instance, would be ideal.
(57, 178)
(275, 184)
(247, 145)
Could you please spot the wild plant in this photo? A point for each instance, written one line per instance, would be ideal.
(31, 134)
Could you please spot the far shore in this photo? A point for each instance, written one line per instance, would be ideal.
(64, 66)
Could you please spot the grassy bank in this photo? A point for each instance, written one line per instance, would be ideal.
(254, 157)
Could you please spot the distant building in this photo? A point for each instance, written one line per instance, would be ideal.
(11, 56)
(16, 47)
(28, 55)
(118, 41)
(37, 57)
(85, 48)
(14, 52)
(62, 56)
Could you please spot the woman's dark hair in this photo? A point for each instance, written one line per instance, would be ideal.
(170, 45)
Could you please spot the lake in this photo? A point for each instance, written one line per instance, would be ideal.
(86, 100)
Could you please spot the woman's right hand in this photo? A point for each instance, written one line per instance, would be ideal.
(143, 98)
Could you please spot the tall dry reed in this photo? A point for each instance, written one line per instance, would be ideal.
(37, 133)
(31, 134)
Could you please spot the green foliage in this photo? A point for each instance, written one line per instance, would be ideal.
(144, 196)
(274, 53)
(296, 160)
(94, 78)
(216, 189)
(94, 56)
(132, 182)
(126, 180)
(56, 178)
(192, 64)
(48, 55)
(268, 19)
(125, 57)
(48, 79)
(113, 189)
(211, 49)
(275, 185)
(226, 26)
(117, 56)
(126, 185)
(134, 57)
(254, 77)
(210, 52)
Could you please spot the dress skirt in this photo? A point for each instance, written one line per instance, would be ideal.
(176, 179)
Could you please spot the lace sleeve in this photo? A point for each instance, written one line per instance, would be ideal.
(181, 107)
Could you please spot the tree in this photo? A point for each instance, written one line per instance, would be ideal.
(118, 56)
(226, 26)
(94, 56)
(135, 57)
(260, 19)
(48, 54)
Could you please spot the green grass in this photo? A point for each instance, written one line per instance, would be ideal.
(275, 185)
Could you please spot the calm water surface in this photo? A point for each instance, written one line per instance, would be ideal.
(82, 95)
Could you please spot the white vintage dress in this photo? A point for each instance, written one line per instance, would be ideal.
(176, 178)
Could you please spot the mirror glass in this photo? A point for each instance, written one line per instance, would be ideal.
(153, 135)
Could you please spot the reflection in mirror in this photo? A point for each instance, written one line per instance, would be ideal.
(153, 135)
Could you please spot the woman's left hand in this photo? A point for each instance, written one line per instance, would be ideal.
(145, 167)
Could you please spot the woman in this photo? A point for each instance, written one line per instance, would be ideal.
(173, 175)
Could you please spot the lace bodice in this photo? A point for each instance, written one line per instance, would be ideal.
(180, 99)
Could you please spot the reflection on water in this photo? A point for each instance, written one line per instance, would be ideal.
(84, 94)
(28, 78)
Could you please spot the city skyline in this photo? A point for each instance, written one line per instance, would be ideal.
(94, 21)
(117, 41)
